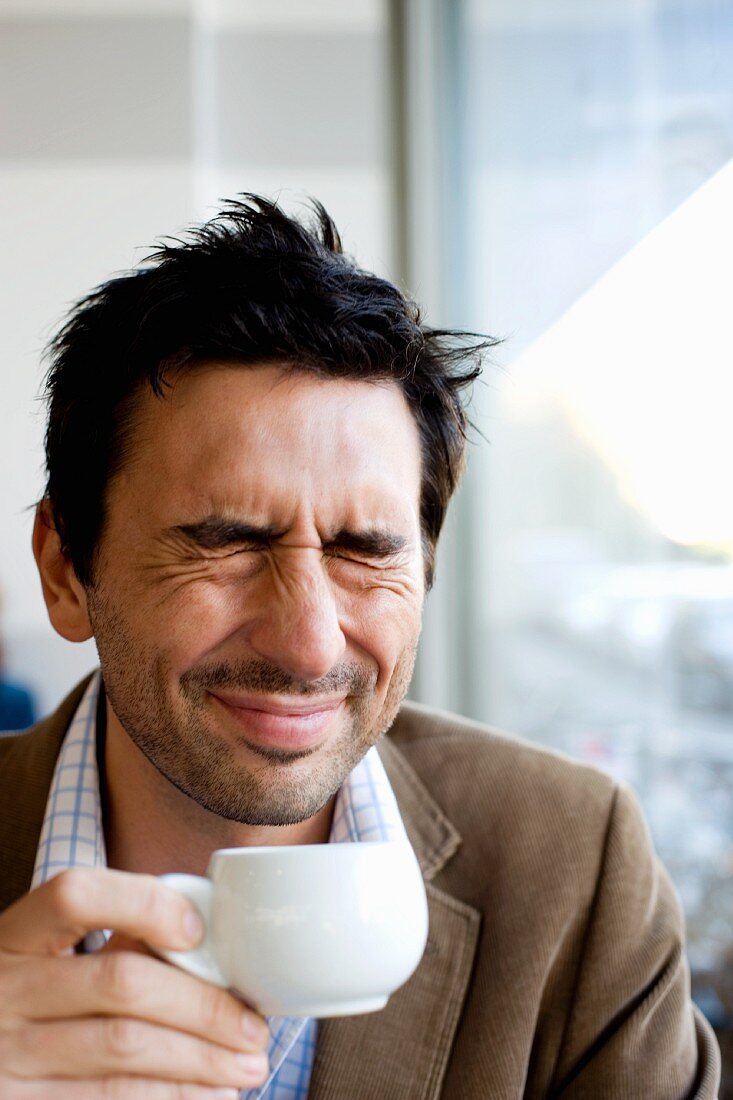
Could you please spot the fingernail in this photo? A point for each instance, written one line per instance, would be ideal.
(193, 926)
(255, 1030)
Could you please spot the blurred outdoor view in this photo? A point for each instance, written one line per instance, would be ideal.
(596, 190)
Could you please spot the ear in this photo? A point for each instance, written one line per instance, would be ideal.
(65, 598)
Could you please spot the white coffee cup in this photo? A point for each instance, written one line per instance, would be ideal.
(308, 930)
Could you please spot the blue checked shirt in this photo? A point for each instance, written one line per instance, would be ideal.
(73, 836)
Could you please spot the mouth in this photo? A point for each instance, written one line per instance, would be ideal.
(295, 724)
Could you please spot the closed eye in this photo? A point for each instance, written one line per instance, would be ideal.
(220, 534)
(374, 544)
(226, 538)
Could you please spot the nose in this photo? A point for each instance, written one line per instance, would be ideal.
(298, 626)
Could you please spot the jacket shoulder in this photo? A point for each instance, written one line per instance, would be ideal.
(456, 752)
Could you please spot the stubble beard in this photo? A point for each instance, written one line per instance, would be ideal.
(280, 788)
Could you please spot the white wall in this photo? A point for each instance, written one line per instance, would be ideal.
(122, 122)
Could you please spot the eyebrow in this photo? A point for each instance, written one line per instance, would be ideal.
(375, 541)
(218, 533)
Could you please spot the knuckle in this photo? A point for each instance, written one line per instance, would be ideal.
(122, 1039)
(216, 1011)
(69, 891)
(119, 976)
(157, 903)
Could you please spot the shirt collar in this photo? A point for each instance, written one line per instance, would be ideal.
(72, 834)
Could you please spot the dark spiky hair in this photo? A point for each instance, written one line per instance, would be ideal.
(253, 285)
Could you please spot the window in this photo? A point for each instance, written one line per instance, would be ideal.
(593, 186)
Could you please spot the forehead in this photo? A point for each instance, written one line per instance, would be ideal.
(235, 435)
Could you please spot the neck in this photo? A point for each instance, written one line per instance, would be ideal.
(153, 828)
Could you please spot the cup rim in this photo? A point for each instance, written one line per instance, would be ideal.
(286, 849)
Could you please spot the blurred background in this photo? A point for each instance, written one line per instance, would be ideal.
(554, 172)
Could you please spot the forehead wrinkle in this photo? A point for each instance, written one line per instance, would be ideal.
(291, 491)
(211, 467)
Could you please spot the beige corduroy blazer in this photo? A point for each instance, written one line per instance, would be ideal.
(555, 964)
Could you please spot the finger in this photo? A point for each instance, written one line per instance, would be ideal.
(121, 983)
(101, 1046)
(111, 1088)
(55, 916)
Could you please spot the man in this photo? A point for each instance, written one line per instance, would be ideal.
(250, 449)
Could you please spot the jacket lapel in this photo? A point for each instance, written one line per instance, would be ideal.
(403, 1051)
(27, 761)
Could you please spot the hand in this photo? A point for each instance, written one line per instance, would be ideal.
(115, 1025)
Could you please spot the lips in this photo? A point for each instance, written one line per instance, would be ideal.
(281, 723)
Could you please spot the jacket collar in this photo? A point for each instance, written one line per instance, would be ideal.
(434, 839)
(403, 1051)
(27, 762)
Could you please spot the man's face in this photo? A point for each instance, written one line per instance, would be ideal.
(259, 584)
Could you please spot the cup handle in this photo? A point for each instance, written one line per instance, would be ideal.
(200, 960)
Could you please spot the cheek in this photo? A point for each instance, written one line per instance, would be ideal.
(387, 629)
(189, 623)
